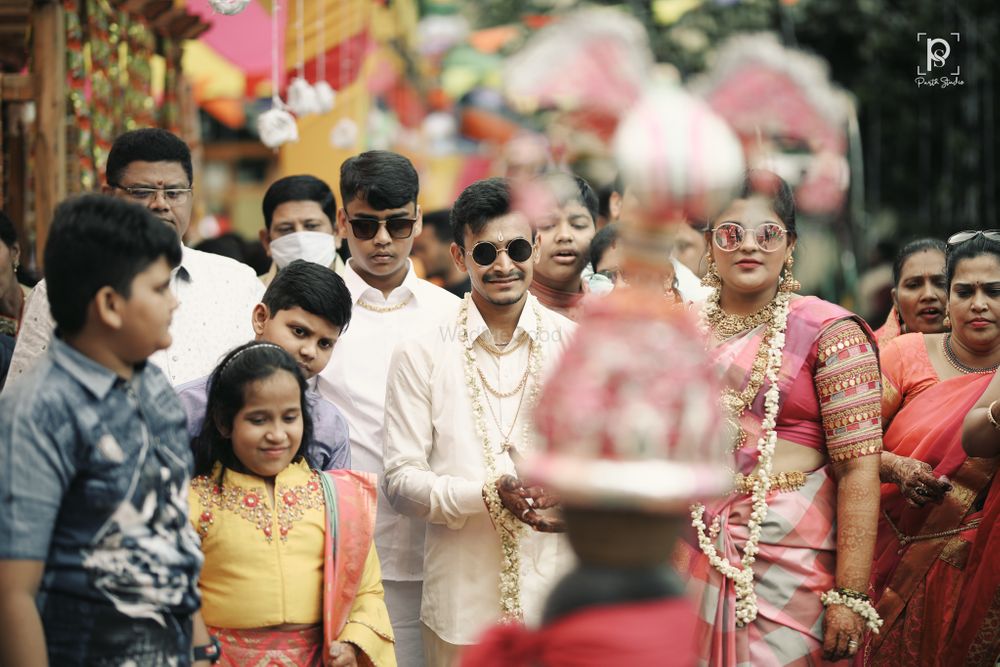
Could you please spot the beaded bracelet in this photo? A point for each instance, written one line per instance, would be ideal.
(863, 608)
(989, 415)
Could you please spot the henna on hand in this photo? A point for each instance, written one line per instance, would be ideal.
(840, 626)
(522, 503)
(916, 479)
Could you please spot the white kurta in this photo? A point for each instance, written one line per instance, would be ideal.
(435, 468)
(216, 296)
(354, 380)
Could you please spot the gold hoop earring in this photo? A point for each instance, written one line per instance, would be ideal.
(788, 281)
(711, 278)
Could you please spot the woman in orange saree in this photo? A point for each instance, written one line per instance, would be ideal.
(918, 293)
(932, 501)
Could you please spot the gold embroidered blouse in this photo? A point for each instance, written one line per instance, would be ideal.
(263, 558)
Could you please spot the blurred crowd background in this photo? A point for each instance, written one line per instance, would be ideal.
(823, 92)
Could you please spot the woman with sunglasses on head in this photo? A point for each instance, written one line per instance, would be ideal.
(781, 567)
(919, 292)
(930, 516)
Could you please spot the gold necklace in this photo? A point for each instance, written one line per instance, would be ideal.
(726, 326)
(737, 402)
(384, 309)
(505, 394)
(505, 442)
(496, 351)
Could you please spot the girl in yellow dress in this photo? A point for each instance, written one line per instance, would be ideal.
(291, 574)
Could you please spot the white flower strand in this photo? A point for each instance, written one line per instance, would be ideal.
(863, 608)
(508, 526)
(742, 576)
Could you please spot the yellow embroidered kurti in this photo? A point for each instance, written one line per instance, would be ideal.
(264, 559)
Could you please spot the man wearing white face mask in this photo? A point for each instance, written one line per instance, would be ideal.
(298, 224)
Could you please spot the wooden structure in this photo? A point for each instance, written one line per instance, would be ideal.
(51, 144)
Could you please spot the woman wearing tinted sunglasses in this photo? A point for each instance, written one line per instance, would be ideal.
(797, 549)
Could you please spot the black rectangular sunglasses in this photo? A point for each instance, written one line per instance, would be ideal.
(365, 229)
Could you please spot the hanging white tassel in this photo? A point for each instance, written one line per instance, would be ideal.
(344, 134)
(302, 98)
(277, 127)
(228, 7)
(325, 96)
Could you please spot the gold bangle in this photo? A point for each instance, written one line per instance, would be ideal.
(989, 415)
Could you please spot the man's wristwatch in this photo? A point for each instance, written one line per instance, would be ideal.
(211, 651)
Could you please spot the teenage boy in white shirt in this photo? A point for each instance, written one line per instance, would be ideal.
(379, 219)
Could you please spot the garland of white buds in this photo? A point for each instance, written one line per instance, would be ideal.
(508, 526)
(863, 608)
(742, 576)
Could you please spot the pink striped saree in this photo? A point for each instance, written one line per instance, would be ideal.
(797, 557)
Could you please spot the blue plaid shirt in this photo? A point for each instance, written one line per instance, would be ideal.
(94, 474)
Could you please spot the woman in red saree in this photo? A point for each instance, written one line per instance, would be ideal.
(919, 292)
(780, 569)
(932, 505)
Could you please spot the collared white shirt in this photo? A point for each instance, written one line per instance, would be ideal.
(354, 380)
(435, 466)
(215, 295)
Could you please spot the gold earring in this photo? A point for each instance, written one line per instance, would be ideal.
(947, 321)
(788, 281)
(711, 278)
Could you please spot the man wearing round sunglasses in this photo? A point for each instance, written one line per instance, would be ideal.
(458, 407)
(565, 230)
(379, 220)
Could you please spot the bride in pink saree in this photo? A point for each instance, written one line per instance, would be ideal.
(780, 569)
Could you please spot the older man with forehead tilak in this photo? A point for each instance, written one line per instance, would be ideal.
(152, 167)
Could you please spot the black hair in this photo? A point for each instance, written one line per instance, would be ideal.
(767, 184)
(150, 144)
(8, 234)
(440, 222)
(250, 362)
(382, 178)
(583, 194)
(603, 240)
(314, 288)
(976, 246)
(604, 195)
(299, 188)
(97, 241)
(481, 202)
(912, 248)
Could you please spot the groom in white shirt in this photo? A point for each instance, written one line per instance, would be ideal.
(457, 420)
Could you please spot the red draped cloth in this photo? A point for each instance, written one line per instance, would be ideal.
(974, 639)
(916, 583)
(641, 634)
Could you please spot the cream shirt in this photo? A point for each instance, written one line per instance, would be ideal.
(215, 295)
(435, 469)
(354, 380)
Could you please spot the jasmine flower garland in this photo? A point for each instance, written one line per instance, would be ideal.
(508, 526)
(742, 575)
